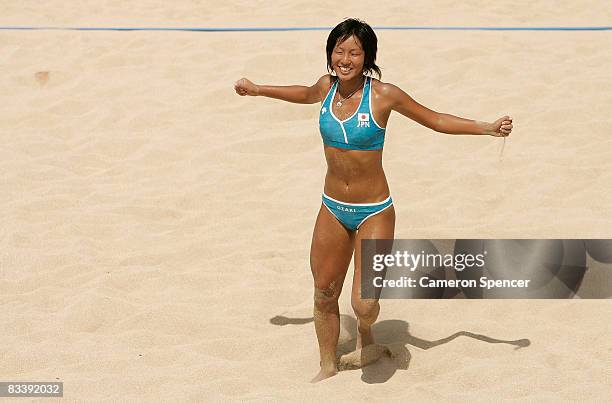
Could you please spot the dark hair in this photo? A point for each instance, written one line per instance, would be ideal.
(365, 34)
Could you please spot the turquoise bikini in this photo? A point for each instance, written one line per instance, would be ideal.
(352, 215)
(358, 132)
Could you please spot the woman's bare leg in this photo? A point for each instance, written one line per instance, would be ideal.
(380, 226)
(330, 255)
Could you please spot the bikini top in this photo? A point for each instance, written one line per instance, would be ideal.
(358, 132)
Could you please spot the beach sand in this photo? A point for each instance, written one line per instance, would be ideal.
(156, 226)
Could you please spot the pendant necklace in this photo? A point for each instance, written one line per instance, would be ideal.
(341, 100)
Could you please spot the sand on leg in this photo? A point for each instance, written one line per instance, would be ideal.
(330, 255)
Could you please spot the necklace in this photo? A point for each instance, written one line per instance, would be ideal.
(341, 100)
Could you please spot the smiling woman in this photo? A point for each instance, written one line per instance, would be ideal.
(351, 49)
(356, 202)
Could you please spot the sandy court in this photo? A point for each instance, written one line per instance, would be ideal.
(154, 223)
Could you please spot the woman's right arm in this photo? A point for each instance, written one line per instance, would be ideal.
(298, 94)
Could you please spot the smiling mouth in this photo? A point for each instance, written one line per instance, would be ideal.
(344, 70)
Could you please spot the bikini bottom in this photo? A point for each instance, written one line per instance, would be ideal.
(352, 215)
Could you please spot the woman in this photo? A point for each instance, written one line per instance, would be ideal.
(356, 201)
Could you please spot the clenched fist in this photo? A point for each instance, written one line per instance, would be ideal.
(245, 87)
(502, 127)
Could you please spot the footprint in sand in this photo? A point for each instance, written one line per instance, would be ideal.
(42, 77)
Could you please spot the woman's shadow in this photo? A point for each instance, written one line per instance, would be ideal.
(392, 334)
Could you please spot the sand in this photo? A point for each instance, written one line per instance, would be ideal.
(156, 226)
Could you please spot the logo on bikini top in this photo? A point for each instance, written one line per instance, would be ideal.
(323, 110)
(348, 210)
(363, 120)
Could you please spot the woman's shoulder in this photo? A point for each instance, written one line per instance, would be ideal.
(324, 84)
(327, 81)
(380, 87)
(384, 93)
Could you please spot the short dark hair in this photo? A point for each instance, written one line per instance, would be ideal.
(365, 34)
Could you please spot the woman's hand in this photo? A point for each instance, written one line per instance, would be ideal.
(245, 87)
(502, 127)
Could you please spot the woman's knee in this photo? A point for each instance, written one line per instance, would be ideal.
(326, 295)
(365, 307)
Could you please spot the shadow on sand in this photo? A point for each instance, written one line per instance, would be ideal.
(393, 334)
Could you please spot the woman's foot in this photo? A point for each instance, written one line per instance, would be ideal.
(363, 357)
(324, 374)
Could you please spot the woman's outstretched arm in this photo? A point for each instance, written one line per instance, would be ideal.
(298, 94)
(443, 122)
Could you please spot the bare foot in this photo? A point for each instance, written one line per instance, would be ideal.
(323, 374)
(362, 357)
(364, 338)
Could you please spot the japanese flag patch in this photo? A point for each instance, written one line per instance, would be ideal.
(363, 117)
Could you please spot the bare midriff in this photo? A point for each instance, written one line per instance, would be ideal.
(355, 176)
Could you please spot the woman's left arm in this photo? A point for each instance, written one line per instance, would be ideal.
(455, 125)
(443, 122)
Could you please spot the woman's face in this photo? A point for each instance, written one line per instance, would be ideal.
(347, 59)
